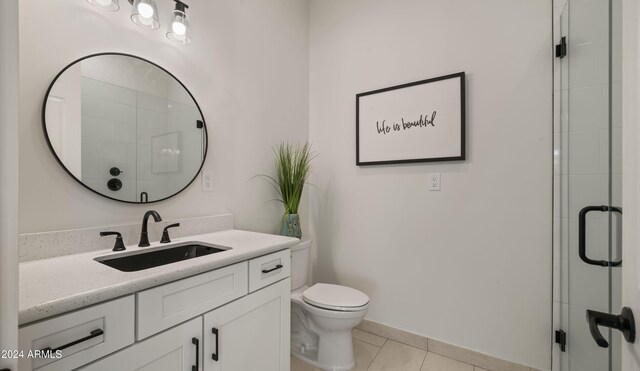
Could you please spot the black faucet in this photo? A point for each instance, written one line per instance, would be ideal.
(144, 237)
(119, 246)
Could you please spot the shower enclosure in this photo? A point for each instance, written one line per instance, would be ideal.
(587, 181)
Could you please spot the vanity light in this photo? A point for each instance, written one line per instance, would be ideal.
(145, 13)
(111, 5)
(179, 30)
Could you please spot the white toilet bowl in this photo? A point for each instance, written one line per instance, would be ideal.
(322, 317)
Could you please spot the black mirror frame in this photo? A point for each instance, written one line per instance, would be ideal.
(55, 155)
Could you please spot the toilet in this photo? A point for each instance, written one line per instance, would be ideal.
(322, 317)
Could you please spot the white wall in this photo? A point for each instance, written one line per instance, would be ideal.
(469, 265)
(9, 65)
(247, 67)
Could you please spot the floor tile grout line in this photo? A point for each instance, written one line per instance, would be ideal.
(379, 349)
(474, 366)
(397, 341)
(423, 360)
(374, 357)
(409, 345)
(375, 345)
(371, 333)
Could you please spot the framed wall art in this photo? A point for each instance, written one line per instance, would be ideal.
(422, 121)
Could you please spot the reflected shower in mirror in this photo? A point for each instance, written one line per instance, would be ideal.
(125, 128)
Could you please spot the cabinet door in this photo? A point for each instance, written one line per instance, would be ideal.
(177, 349)
(251, 333)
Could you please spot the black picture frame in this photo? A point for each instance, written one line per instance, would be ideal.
(462, 104)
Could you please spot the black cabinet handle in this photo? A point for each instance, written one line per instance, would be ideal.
(623, 322)
(582, 235)
(214, 355)
(92, 334)
(272, 269)
(196, 342)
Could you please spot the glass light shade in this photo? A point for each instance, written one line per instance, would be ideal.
(110, 5)
(144, 13)
(179, 30)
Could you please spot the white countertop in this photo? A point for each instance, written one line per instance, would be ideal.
(49, 287)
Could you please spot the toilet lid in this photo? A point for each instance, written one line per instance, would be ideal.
(335, 297)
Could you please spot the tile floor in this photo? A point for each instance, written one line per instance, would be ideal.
(375, 353)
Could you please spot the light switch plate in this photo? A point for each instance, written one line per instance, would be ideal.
(207, 181)
(434, 182)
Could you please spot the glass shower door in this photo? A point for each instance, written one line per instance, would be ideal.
(588, 183)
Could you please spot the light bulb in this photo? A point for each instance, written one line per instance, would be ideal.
(145, 14)
(145, 10)
(179, 28)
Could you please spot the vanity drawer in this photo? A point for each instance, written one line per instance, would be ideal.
(84, 335)
(268, 269)
(168, 305)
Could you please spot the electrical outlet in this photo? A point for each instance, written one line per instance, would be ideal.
(434, 182)
(207, 181)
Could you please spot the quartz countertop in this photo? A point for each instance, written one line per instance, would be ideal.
(52, 286)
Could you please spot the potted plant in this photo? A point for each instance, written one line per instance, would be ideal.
(293, 166)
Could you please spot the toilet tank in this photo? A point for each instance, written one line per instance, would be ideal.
(300, 257)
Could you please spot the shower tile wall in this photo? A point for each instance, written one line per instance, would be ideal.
(108, 136)
(582, 166)
(143, 135)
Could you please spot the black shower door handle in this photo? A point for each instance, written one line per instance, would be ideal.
(582, 235)
(624, 322)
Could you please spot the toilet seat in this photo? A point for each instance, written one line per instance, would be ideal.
(335, 297)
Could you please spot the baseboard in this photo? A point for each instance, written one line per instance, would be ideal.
(451, 351)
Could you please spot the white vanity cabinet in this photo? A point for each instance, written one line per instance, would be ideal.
(234, 318)
(251, 333)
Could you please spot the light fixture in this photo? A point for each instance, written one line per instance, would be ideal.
(145, 13)
(179, 30)
(111, 5)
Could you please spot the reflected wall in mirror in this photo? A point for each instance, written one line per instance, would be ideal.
(125, 128)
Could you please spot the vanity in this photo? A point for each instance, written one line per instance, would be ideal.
(128, 130)
(229, 310)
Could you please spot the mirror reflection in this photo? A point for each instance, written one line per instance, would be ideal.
(125, 128)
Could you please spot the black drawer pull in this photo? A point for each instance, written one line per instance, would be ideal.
(196, 342)
(92, 334)
(272, 269)
(214, 355)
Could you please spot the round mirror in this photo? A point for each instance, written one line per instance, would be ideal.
(125, 128)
